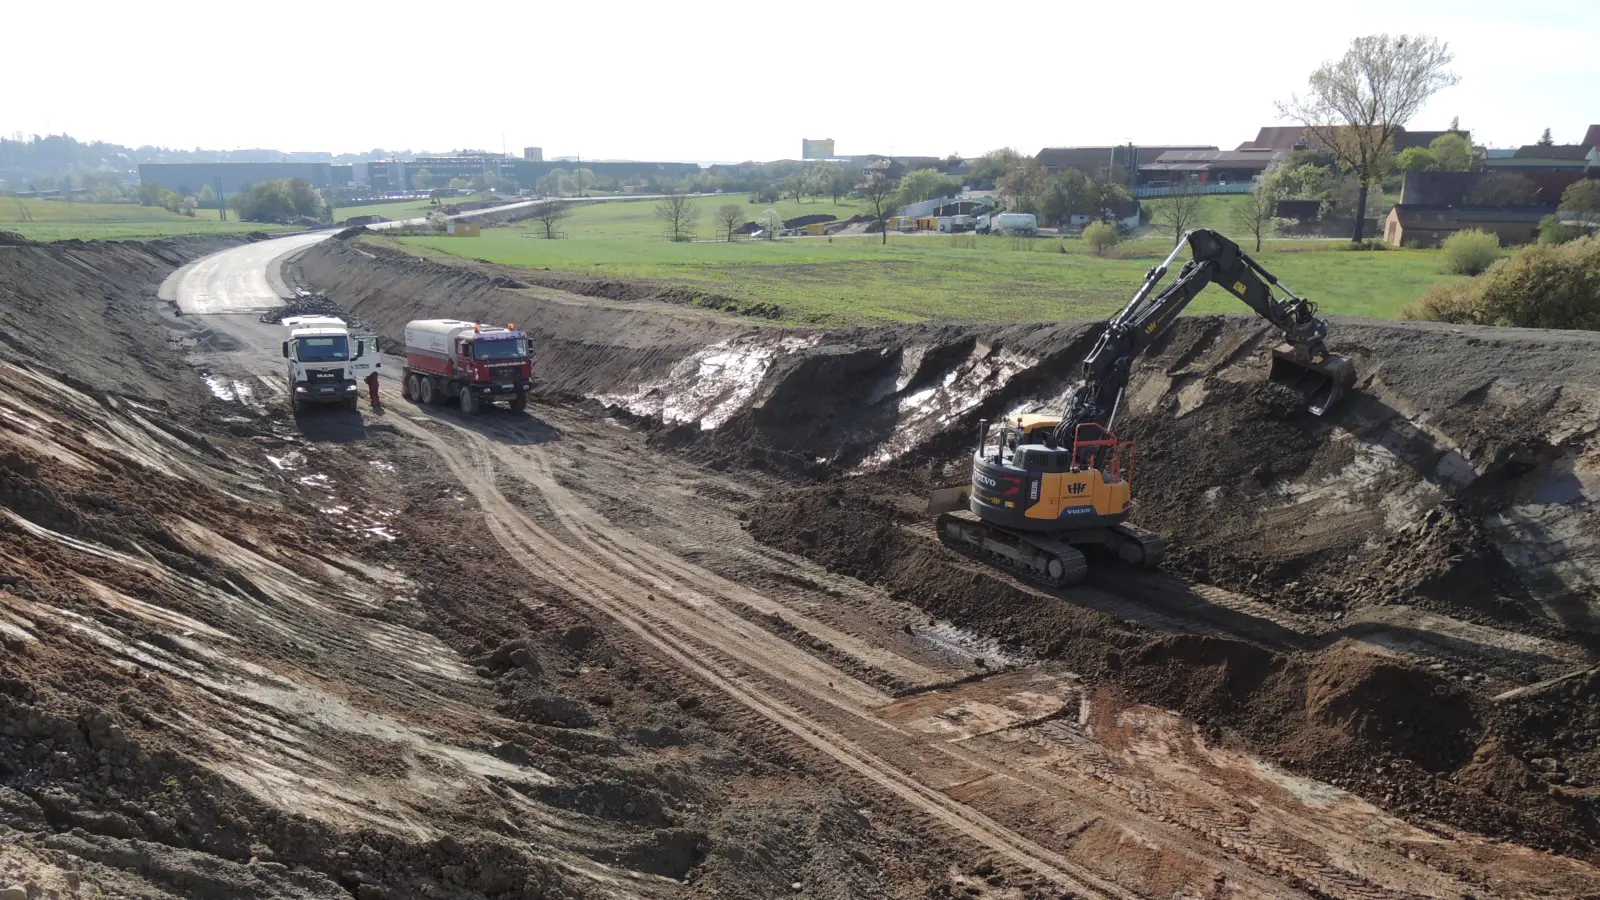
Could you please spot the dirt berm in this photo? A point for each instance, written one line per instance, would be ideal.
(230, 665)
(1376, 577)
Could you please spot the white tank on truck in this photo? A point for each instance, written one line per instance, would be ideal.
(469, 362)
(327, 358)
(1014, 223)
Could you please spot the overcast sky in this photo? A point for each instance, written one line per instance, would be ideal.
(721, 81)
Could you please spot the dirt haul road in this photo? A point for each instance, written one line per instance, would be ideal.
(1067, 787)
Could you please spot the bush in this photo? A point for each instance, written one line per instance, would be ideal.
(1100, 237)
(1456, 302)
(1470, 252)
(1540, 286)
(1553, 231)
(1546, 286)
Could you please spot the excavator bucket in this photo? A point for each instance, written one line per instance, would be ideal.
(950, 499)
(1323, 382)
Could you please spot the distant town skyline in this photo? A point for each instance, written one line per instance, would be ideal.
(609, 81)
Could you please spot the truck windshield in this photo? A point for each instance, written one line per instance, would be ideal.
(502, 349)
(329, 348)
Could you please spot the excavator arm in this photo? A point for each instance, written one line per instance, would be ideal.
(1300, 361)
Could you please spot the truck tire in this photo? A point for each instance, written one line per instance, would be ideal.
(426, 390)
(298, 406)
(352, 404)
(519, 402)
(408, 388)
(469, 402)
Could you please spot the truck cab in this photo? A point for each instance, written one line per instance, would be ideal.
(326, 359)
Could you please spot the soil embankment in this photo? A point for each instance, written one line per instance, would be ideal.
(236, 660)
(1384, 591)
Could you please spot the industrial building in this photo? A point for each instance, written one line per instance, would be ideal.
(191, 178)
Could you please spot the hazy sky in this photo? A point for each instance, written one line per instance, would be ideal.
(731, 81)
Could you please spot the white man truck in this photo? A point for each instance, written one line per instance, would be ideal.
(328, 358)
(472, 363)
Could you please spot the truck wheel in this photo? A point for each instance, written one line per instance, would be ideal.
(351, 404)
(519, 402)
(298, 406)
(426, 391)
(406, 390)
(469, 402)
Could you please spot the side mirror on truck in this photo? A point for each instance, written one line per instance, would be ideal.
(285, 349)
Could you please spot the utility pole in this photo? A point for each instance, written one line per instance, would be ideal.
(222, 204)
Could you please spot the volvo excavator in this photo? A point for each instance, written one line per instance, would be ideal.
(1047, 486)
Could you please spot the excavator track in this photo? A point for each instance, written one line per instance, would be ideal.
(1048, 559)
(1138, 546)
(1041, 558)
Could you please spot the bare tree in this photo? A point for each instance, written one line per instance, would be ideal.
(1354, 105)
(1179, 211)
(679, 213)
(882, 193)
(550, 214)
(1253, 216)
(730, 216)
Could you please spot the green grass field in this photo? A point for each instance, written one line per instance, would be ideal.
(923, 277)
(53, 220)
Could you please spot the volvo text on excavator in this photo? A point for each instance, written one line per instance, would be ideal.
(1046, 486)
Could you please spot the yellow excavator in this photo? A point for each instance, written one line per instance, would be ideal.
(1046, 486)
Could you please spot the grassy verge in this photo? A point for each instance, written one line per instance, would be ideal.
(52, 220)
(924, 277)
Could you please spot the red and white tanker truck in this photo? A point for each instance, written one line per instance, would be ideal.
(449, 359)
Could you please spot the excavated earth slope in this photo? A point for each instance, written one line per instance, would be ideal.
(1398, 596)
(237, 660)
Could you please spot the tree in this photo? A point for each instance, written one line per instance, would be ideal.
(841, 179)
(421, 179)
(730, 216)
(926, 184)
(1545, 140)
(582, 179)
(1582, 198)
(1455, 123)
(1253, 216)
(478, 183)
(1100, 237)
(880, 190)
(149, 193)
(987, 169)
(550, 213)
(208, 197)
(1452, 152)
(771, 223)
(554, 181)
(1416, 159)
(459, 184)
(679, 214)
(1355, 104)
(1021, 187)
(1178, 212)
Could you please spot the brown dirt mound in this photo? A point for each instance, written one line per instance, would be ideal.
(1407, 738)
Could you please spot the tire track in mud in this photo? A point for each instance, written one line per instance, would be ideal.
(547, 557)
(674, 606)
